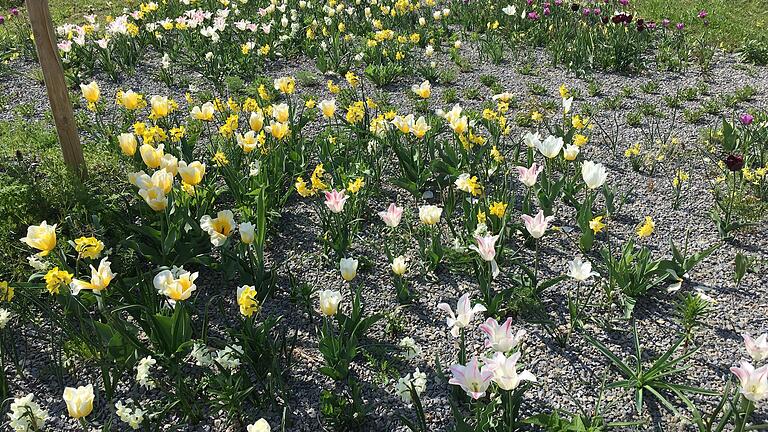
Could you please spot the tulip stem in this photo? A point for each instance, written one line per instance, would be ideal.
(462, 348)
(84, 424)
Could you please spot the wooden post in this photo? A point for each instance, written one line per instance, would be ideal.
(58, 95)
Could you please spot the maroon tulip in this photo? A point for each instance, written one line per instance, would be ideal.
(734, 162)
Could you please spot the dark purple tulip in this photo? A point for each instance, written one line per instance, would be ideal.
(14, 12)
(574, 7)
(2, 20)
(734, 162)
(680, 26)
(703, 14)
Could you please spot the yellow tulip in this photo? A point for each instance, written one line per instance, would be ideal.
(151, 156)
(193, 173)
(127, 143)
(91, 92)
(41, 237)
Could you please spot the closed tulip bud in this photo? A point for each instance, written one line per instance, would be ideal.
(392, 215)
(348, 268)
(570, 152)
(328, 107)
(247, 232)
(151, 156)
(169, 163)
(256, 121)
(91, 92)
(193, 173)
(79, 401)
(127, 143)
(161, 106)
(429, 214)
(399, 266)
(329, 302)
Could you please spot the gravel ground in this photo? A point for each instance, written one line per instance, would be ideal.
(569, 377)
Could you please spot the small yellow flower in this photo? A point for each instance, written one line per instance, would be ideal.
(333, 88)
(220, 159)
(6, 292)
(55, 278)
(579, 140)
(578, 122)
(88, 247)
(302, 189)
(481, 217)
(596, 224)
(352, 79)
(246, 299)
(498, 209)
(355, 186)
(537, 116)
(496, 155)
(564, 92)
(646, 229)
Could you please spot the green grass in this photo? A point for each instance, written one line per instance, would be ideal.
(63, 11)
(730, 21)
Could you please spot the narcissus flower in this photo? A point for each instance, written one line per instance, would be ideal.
(176, 284)
(246, 299)
(56, 278)
(754, 382)
(392, 215)
(646, 228)
(41, 237)
(6, 292)
(537, 225)
(528, 176)
(26, 415)
(335, 200)
(504, 371)
(100, 279)
(192, 174)
(429, 214)
(88, 247)
(329, 302)
(465, 312)
(500, 337)
(348, 268)
(498, 209)
(91, 91)
(468, 184)
(471, 379)
(79, 401)
(220, 227)
(594, 174)
(596, 224)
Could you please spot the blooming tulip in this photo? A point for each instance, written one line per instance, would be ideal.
(399, 266)
(532, 140)
(594, 174)
(757, 349)
(160, 106)
(570, 152)
(281, 112)
(392, 215)
(335, 200)
(348, 268)
(471, 379)
(154, 197)
(151, 156)
(580, 270)
(537, 225)
(328, 107)
(329, 302)
(91, 92)
(504, 371)
(550, 147)
(754, 382)
(423, 90)
(528, 176)
(193, 173)
(256, 121)
(79, 401)
(500, 337)
(100, 279)
(41, 237)
(486, 248)
(220, 227)
(465, 312)
(204, 113)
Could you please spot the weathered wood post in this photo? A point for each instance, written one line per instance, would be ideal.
(48, 55)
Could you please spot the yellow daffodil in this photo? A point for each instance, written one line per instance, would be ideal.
(88, 247)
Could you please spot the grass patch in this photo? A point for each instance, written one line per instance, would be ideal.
(730, 22)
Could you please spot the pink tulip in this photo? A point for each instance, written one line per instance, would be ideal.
(486, 247)
(537, 225)
(471, 379)
(757, 349)
(335, 200)
(754, 382)
(500, 337)
(528, 176)
(392, 215)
